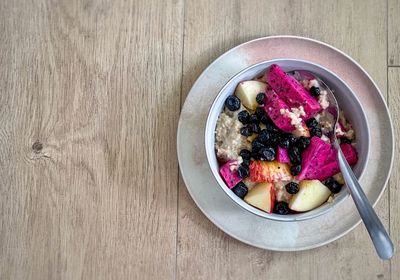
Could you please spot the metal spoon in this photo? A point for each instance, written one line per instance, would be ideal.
(379, 236)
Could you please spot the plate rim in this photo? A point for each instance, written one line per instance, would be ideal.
(392, 152)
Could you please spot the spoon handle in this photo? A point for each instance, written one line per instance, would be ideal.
(380, 238)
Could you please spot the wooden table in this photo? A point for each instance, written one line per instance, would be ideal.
(89, 104)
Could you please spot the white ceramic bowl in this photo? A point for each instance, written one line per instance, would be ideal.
(347, 100)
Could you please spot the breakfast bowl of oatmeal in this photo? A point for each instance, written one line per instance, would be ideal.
(266, 140)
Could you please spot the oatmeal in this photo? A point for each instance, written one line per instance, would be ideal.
(295, 114)
(280, 192)
(228, 139)
(322, 99)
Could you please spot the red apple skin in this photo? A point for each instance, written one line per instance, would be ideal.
(273, 198)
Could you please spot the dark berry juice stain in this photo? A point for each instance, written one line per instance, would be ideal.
(37, 147)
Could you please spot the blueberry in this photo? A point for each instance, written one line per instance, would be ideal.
(294, 155)
(244, 117)
(316, 131)
(246, 162)
(273, 138)
(264, 119)
(243, 171)
(246, 131)
(333, 185)
(260, 98)
(254, 119)
(345, 141)
(302, 143)
(240, 190)
(291, 139)
(256, 145)
(259, 112)
(312, 123)
(255, 155)
(295, 169)
(292, 187)
(254, 127)
(284, 141)
(263, 136)
(271, 127)
(315, 91)
(281, 208)
(232, 103)
(245, 154)
(267, 153)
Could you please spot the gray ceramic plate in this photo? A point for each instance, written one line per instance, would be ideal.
(233, 219)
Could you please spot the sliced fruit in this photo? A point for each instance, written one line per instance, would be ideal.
(331, 165)
(247, 92)
(282, 155)
(269, 171)
(291, 91)
(312, 193)
(284, 117)
(273, 107)
(350, 153)
(228, 172)
(314, 158)
(262, 196)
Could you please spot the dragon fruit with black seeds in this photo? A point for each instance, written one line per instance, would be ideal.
(331, 166)
(320, 160)
(282, 155)
(313, 158)
(228, 172)
(285, 118)
(273, 106)
(291, 91)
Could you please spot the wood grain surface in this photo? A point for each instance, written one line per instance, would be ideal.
(394, 32)
(351, 29)
(95, 84)
(90, 94)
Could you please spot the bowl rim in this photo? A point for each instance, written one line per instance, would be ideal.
(210, 151)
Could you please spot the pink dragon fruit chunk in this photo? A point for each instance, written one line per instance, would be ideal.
(272, 106)
(291, 91)
(350, 153)
(331, 166)
(314, 158)
(229, 174)
(282, 155)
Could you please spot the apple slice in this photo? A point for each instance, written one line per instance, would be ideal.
(247, 92)
(312, 193)
(269, 171)
(262, 196)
